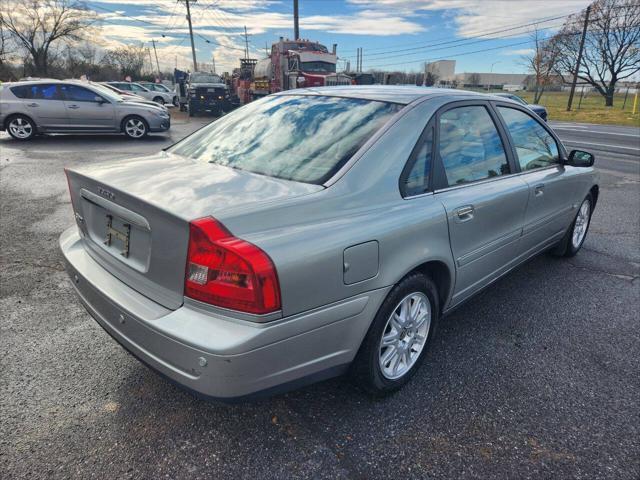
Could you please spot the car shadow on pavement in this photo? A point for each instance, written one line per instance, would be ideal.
(509, 368)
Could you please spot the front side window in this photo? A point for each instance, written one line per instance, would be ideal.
(535, 147)
(123, 86)
(470, 147)
(75, 93)
(294, 137)
(137, 88)
(416, 179)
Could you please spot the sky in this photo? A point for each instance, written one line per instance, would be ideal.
(481, 35)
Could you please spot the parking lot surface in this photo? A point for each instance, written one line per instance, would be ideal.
(537, 377)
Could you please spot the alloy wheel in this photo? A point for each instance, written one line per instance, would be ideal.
(404, 335)
(135, 128)
(21, 128)
(581, 224)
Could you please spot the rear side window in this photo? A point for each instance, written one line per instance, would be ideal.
(137, 88)
(415, 178)
(535, 147)
(22, 91)
(469, 146)
(122, 86)
(306, 138)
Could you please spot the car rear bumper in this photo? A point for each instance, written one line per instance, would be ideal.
(214, 355)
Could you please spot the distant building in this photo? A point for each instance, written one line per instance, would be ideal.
(492, 79)
(443, 70)
(445, 73)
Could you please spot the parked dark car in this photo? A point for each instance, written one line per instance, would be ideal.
(537, 109)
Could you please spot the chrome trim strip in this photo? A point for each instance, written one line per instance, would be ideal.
(489, 248)
(116, 209)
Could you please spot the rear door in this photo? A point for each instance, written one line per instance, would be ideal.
(485, 203)
(44, 104)
(85, 112)
(551, 186)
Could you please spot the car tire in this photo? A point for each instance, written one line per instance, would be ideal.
(392, 351)
(135, 127)
(175, 102)
(159, 100)
(21, 127)
(573, 240)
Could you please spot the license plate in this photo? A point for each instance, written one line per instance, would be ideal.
(211, 90)
(114, 234)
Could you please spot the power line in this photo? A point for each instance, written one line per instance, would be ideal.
(492, 32)
(480, 33)
(457, 46)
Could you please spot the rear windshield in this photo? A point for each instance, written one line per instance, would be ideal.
(301, 138)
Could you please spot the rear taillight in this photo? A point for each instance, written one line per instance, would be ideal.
(229, 272)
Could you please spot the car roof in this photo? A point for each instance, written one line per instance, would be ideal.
(386, 93)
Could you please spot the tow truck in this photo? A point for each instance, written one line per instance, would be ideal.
(292, 64)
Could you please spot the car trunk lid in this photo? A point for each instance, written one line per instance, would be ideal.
(134, 215)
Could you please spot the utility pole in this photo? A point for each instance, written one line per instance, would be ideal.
(246, 44)
(213, 60)
(193, 47)
(575, 74)
(156, 53)
(296, 27)
(150, 61)
(266, 48)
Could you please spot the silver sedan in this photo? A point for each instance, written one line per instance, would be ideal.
(52, 106)
(315, 232)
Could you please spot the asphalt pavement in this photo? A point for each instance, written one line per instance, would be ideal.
(537, 377)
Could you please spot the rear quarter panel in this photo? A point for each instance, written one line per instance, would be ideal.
(307, 237)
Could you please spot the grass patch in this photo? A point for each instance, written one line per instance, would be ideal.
(592, 109)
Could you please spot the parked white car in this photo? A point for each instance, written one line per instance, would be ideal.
(155, 95)
(161, 87)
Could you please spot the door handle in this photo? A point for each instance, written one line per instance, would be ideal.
(73, 107)
(538, 190)
(465, 213)
(32, 104)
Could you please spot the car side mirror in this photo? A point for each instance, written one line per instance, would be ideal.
(580, 158)
(99, 99)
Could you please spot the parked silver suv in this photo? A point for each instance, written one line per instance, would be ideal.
(54, 106)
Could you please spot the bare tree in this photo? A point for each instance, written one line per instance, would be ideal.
(430, 79)
(127, 60)
(542, 63)
(611, 48)
(36, 26)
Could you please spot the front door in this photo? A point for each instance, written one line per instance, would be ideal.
(44, 104)
(485, 204)
(85, 111)
(551, 189)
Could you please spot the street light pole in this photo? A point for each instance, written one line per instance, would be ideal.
(491, 71)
